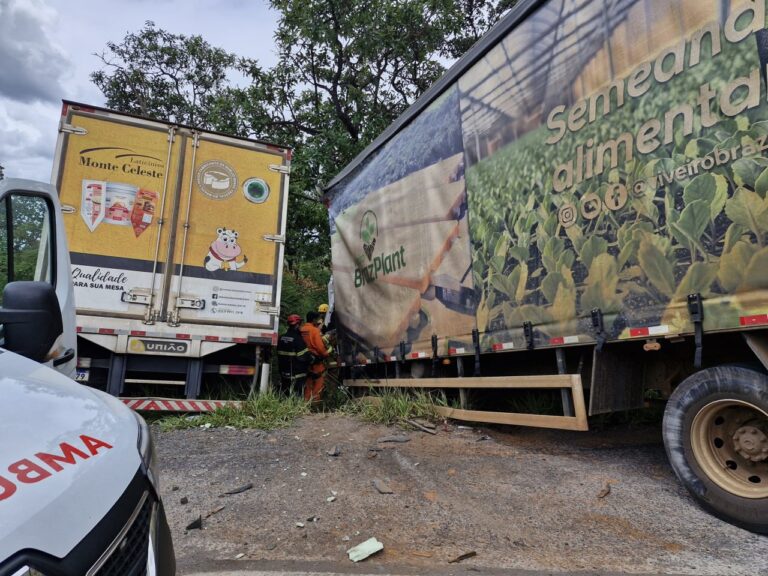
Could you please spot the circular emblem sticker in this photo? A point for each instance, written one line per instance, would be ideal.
(216, 179)
(256, 190)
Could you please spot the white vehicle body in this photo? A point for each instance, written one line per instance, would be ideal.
(78, 492)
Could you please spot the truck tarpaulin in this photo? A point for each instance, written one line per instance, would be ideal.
(594, 156)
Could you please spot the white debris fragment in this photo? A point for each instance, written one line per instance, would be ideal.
(365, 549)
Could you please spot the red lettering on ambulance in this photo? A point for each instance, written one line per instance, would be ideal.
(93, 444)
(28, 472)
(7, 488)
(68, 453)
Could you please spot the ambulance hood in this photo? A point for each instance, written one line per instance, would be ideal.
(67, 453)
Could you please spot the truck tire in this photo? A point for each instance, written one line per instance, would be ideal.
(716, 436)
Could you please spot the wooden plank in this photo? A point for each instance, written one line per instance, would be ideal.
(570, 381)
(538, 381)
(515, 419)
(579, 406)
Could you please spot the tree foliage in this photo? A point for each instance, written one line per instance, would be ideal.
(158, 74)
(27, 225)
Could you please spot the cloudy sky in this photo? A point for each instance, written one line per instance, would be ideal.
(46, 55)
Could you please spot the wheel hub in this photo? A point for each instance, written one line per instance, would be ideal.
(729, 440)
(751, 443)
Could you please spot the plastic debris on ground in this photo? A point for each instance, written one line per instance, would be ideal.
(398, 438)
(365, 549)
(471, 554)
(238, 490)
(382, 487)
(196, 524)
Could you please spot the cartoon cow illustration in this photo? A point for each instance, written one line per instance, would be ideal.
(223, 252)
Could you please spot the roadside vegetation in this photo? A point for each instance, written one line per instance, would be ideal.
(393, 406)
(265, 411)
(271, 410)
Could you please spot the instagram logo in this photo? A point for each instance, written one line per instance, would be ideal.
(567, 215)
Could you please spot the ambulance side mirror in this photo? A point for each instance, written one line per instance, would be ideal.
(31, 319)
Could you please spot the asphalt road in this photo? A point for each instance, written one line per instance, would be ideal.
(527, 502)
(266, 568)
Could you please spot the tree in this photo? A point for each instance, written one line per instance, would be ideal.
(26, 226)
(475, 18)
(163, 75)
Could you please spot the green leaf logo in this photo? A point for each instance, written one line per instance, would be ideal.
(369, 230)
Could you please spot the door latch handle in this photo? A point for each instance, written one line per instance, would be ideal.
(69, 353)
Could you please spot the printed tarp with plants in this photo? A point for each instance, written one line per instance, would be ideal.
(704, 234)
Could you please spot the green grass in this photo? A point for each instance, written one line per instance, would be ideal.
(270, 410)
(264, 411)
(393, 406)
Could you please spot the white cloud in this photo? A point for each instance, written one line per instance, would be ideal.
(31, 66)
(26, 140)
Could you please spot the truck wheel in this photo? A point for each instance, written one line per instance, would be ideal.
(716, 437)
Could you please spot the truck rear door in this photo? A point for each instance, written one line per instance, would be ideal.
(228, 241)
(168, 225)
(115, 177)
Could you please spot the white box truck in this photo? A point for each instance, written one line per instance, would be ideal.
(176, 239)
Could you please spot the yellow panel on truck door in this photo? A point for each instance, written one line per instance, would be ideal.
(112, 178)
(231, 200)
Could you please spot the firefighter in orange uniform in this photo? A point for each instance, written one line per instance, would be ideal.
(313, 338)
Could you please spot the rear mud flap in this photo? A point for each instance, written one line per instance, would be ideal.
(617, 378)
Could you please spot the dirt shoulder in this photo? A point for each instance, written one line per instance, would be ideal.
(519, 498)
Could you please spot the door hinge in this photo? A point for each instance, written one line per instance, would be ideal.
(280, 168)
(193, 303)
(279, 238)
(132, 297)
(71, 129)
(271, 310)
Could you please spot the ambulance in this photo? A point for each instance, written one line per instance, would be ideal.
(79, 491)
